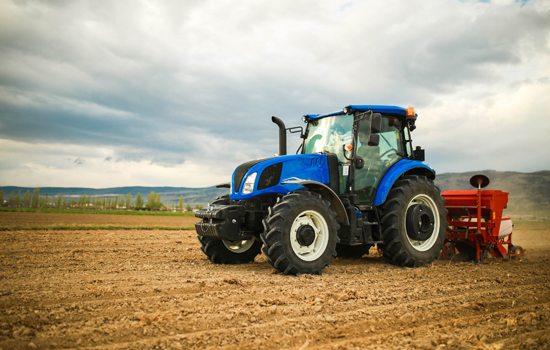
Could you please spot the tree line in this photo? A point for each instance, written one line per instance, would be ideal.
(35, 200)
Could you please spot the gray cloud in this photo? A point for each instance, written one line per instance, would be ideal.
(178, 82)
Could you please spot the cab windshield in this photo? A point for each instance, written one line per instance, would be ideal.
(329, 135)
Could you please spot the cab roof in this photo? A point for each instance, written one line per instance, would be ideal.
(358, 108)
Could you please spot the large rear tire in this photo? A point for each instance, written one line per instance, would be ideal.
(300, 234)
(414, 222)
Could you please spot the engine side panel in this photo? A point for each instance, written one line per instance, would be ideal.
(313, 167)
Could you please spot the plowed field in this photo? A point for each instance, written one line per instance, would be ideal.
(33, 219)
(120, 289)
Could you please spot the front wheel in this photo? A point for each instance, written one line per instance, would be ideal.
(221, 251)
(300, 234)
(414, 222)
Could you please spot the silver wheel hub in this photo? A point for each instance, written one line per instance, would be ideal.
(309, 228)
(238, 246)
(429, 240)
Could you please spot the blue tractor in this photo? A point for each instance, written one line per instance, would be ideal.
(355, 181)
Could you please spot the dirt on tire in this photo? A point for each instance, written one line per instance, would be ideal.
(135, 289)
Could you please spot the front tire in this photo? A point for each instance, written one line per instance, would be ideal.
(300, 234)
(414, 222)
(221, 251)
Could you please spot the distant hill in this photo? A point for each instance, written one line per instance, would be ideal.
(168, 194)
(529, 192)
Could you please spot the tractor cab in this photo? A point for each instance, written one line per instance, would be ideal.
(366, 144)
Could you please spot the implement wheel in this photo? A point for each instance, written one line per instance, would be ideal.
(300, 234)
(414, 223)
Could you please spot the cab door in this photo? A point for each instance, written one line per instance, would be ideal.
(378, 159)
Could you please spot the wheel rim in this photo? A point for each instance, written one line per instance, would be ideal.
(319, 243)
(424, 245)
(238, 246)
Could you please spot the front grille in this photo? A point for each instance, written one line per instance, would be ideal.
(270, 176)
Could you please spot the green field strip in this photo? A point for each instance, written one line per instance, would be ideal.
(92, 211)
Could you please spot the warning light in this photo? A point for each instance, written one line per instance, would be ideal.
(349, 147)
(410, 112)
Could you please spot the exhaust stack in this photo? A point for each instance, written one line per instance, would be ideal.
(282, 135)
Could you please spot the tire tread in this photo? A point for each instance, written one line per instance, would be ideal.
(273, 232)
(394, 250)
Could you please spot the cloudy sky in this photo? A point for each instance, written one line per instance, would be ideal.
(178, 93)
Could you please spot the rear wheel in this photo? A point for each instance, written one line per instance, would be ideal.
(300, 234)
(414, 223)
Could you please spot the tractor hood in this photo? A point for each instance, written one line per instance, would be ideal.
(266, 176)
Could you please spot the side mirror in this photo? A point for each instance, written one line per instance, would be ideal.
(374, 139)
(418, 154)
(359, 163)
(376, 123)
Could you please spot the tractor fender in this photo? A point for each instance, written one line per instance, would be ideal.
(401, 168)
(328, 194)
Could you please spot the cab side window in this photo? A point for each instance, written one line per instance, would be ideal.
(378, 159)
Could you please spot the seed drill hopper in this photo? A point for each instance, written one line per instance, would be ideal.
(476, 225)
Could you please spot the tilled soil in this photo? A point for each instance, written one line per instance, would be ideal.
(34, 219)
(123, 289)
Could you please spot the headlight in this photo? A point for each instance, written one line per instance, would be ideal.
(248, 186)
